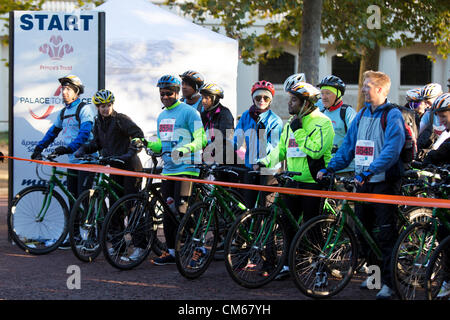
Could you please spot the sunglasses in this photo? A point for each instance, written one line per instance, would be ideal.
(266, 98)
(166, 94)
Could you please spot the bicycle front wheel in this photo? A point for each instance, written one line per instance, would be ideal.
(410, 258)
(437, 277)
(128, 232)
(323, 256)
(37, 221)
(86, 219)
(255, 248)
(196, 240)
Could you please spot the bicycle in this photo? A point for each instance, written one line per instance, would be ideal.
(255, 247)
(437, 273)
(38, 216)
(129, 230)
(89, 211)
(326, 251)
(205, 223)
(416, 244)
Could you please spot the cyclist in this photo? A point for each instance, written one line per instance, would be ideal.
(430, 128)
(332, 89)
(415, 101)
(74, 122)
(113, 133)
(219, 126)
(377, 167)
(191, 81)
(180, 132)
(441, 156)
(259, 128)
(305, 143)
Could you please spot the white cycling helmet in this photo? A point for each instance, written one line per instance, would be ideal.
(292, 79)
(431, 90)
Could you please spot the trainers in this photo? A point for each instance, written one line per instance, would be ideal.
(65, 245)
(445, 290)
(165, 258)
(321, 280)
(136, 254)
(198, 257)
(284, 273)
(364, 285)
(385, 293)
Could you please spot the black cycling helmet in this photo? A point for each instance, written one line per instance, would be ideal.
(333, 81)
(72, 81)
(194, 78)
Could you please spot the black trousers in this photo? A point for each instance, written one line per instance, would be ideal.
(380, 220)
(309, 206)
(78, 181)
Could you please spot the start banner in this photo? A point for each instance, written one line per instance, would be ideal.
(45, 46)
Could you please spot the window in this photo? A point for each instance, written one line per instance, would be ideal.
(278, 69)
(347, 71)
(415, 69)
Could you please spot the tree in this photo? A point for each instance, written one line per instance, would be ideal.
(357, 28)
(376, 23)
(237, 18)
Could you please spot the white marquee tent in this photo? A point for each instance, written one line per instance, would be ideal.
(144, 42)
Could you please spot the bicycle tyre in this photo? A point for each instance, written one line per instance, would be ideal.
(251, 261)
(128, 227)
(436, 274)
(159, 245)
(84, 228)
(37, 237)
(308, 261)
(408, 262)
(198, 232)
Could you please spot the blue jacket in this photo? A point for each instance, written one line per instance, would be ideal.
(387, 144)
(74, 134)
(247, 130)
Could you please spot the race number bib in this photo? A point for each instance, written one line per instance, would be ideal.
(293, 151)
(166, 129)
(364, 152)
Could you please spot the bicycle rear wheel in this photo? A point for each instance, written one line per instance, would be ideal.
(33, 232)
(196, 240)
(255, 248)
(85, 223)
(438, 271)
(128, 232)
(410, 258)
(323, 256)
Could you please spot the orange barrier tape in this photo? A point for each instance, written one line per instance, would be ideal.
(361, 197)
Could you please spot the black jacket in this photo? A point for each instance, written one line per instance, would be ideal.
(112, 136)
(219, 119)
(440, 156)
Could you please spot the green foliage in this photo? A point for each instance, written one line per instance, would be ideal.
(345, 22)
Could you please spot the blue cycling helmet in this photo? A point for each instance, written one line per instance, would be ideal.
(169, 81)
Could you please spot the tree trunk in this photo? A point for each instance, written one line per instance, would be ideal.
(309, 50)
(369, 61)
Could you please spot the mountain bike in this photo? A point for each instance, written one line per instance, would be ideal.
(130, 226)
(89, 211)
(255, 247)
(38, 216)
(205, 223)
(416, 244)
(437, 275)
(325, 252)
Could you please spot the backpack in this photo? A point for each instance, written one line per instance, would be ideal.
(409, 150)
(342, 113)
(77, 113)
